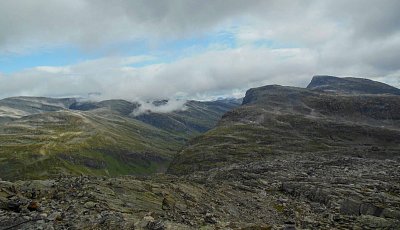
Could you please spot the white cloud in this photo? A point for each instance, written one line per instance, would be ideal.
(357, 38)
(206, 73)
(90, 23)
(27, 24)
(53, 69)
(169, 106)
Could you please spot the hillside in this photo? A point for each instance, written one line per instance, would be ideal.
(197, 117)
(330, 159)
(42, 145)
(16, 107)
(275, 119)
(43, 137)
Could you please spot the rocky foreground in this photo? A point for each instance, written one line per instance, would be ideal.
(358, 189)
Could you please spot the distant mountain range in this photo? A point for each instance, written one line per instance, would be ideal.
(41, 137)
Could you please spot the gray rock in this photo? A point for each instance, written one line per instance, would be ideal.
(370, 209)
(89, 205)
(350, 207)
(55, 216)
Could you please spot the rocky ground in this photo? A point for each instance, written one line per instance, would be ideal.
(354, 190)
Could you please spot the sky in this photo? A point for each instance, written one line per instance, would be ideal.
(190, 49)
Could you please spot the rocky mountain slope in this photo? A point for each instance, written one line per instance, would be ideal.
(277, 120)
(42, 137)
(337, 152)
(288, 158)
(351, 85)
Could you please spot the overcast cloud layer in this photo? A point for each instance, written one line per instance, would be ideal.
(275, 42)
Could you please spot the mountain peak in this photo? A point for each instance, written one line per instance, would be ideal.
(350, 85)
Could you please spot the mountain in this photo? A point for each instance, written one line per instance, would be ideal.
(351, 85)
(121, 107)
(193, 118)
(68, 142)
(333, 150)
(276, 119)
(196, 117)
(43, 137)
(17, 107)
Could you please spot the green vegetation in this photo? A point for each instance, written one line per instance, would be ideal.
(42, 137)
(74, 142)
(279, 208)
(196, 118)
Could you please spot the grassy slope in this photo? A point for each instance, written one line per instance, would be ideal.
(82, 142)
(41, 137)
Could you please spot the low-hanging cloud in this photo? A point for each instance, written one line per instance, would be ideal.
(164, 107)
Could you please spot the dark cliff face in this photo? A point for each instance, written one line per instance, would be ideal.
(351, 85)
(278, 119)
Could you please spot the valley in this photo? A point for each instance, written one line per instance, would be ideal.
(321, 157)
(43, 137)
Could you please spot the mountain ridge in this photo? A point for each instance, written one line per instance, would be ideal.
(277, 118)
(42, 137)
(350, 85)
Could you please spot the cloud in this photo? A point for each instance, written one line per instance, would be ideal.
(369, 19)
(358, 38)
(90, 23)
(212, 73)
(276, 42)
(168, 106)
(205, 74)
